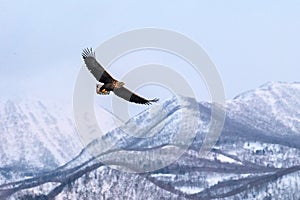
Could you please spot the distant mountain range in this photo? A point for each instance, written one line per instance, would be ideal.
(256, 156)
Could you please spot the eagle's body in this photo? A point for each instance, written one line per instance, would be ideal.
(110, 84)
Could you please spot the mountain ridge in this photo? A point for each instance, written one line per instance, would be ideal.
(253, 158)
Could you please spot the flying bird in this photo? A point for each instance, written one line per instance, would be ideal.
(110, 84)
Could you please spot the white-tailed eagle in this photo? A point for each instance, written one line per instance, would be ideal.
(110, 84)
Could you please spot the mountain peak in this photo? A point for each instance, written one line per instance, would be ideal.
(272, 102)
(270, 87)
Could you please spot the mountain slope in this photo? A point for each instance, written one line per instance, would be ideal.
(35, 137)
(256, 156)
(272, 105)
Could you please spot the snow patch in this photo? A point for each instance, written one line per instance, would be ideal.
(190, 189)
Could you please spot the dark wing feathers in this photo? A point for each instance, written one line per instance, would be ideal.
(95, 68)
(130, 96)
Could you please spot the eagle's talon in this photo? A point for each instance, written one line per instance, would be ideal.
(106, 93)
(103, 93)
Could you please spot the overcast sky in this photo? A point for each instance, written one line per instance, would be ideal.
(41, 41)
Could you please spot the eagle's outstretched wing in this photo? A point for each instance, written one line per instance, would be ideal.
(130, 96)
(95, 68)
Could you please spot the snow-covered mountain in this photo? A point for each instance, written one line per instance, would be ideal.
(39, 135)
(273, 105)
(35, 136)
(256, 156)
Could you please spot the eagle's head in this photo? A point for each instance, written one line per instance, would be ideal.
(98, 89)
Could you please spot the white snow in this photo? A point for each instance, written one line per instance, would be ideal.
(253, 146)
(190, 189)
(227, 159)
(160, 175)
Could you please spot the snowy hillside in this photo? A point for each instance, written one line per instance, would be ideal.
(273, 105)
(33, 133)
(35, 137)
(39, 135)
(256, 156)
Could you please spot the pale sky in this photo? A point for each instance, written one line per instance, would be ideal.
(250, 42)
